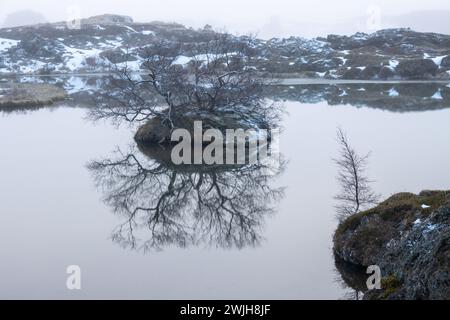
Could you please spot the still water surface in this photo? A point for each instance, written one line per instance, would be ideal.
(52, 214)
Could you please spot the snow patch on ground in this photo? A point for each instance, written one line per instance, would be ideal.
(344, 60)
(438, 60)
(437, 95)
(130, 28)
(147, 32)
(393, 93)
(393, 64)
(32, 66)
(5, 44)
(76, 58)
(183, 60)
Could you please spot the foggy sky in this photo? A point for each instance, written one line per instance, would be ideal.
(263, 17)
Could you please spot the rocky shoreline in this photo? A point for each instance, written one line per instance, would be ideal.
(408, 237)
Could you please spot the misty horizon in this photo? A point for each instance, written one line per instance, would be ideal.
(300, 20)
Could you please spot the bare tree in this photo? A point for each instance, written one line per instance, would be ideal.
(217, 76)
(356, 193)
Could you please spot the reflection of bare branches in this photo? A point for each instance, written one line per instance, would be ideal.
(222, 205)
(356, 193)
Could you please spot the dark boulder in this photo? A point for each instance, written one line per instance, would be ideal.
(386, 73)
(417, 68)
(370, 72)
(351, 74)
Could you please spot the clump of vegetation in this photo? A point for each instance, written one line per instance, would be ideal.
(390, 285)
(405, 205)
(399, 207)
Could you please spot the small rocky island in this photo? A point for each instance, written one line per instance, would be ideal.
(408, 237)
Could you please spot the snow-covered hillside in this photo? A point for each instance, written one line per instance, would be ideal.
(108, 41)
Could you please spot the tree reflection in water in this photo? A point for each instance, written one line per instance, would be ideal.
(165, 204)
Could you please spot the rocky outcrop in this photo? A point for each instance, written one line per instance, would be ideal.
(408, 237)
(108, 19)
(417, 69)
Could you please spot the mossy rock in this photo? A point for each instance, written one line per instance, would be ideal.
(361, 237)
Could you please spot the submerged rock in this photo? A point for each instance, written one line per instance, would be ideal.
(408, 237)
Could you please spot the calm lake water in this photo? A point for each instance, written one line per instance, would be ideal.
(52, 215)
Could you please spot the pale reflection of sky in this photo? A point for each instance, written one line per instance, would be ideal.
(266, 17)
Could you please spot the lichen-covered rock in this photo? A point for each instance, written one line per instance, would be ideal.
(408, 237)
(420, 259)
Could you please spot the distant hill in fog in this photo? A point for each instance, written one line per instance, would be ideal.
(423, 21)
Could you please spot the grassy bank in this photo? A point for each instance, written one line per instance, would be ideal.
(26, 95)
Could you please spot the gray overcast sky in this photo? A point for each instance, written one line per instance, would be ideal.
(266, 18)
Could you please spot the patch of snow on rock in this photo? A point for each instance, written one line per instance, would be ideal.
(437, 95)
(438, 60)
(393, 93)
(393, 64)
